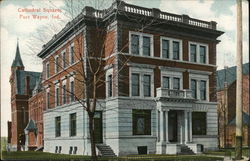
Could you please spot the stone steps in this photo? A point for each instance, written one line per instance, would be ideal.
(185, 150)
(105, 150)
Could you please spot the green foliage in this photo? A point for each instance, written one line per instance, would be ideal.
(3, 143)
(43, 156)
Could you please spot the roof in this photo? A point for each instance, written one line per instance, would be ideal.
(38, 86)
(17, 62)
(124, 9)
(229, 75)
(245, 119)
(31, 126)
(20, 79)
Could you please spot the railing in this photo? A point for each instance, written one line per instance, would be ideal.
(174, 93)
(152, 12)
(137, 10)
(170, 17)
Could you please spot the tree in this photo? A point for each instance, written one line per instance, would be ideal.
(88, 60)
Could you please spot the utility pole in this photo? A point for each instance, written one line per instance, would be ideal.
(238, 146)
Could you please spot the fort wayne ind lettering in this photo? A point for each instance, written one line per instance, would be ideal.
(39, 13)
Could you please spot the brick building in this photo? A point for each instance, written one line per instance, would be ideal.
(22, 83)
(34, 128)
(226, 95)
(158, 89)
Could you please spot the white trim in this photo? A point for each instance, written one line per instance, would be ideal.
(200, 72)
(57, 57)
(138, 65)
(46, 70)
(140, 34)
(164, 68)
(109, 72)
(172, 74)
(72, 78)
(69, 49)
(62, 65)
(57, 87)
(141, 72)
(199, 78)
(171, 48)
(198, 45)
(64, 81)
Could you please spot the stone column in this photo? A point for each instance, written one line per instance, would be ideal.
(166, 125)
(190, 127)
(26, 140)
(186, 126)
(180, 124)
(162, 126)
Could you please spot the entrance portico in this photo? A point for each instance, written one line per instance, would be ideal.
(174, 121)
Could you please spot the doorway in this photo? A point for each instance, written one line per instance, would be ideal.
(98, 127)
(172, 126)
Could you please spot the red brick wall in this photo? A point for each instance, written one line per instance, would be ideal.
(36, 114)
(231, 110)
(20, 116)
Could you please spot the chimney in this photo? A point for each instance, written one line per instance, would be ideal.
(27, 85)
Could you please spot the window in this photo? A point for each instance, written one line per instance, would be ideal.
(194, 88)
(171, 48)
(198, 52)
(72, 52)
(64, 94)
(147, 85)
(176, 83)
(165, 82)
(141, 122)
(70, 149)
(73, 124)
(203, 90)
(202, 54)
(135, 44)
(193, 52)
(141, 44)
(75, 150)
(57, 64)
(146, 46)
(110, 85)
(64, 60)
(47, 70)
(48, 100)
(60, 149)
(165, 48)
(58, 126)
(57, 97)
(176, 50)
(135, 85)
(72, 91)
(199, 123)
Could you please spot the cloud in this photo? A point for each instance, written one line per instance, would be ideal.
(226, 49)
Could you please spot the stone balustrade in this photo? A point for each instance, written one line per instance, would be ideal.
(173, 93)
(123, 7)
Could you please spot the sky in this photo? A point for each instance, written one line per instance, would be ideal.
(15, 24)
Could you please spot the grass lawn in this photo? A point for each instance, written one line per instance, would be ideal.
(31, 155)
(229, 152)
(38, 155)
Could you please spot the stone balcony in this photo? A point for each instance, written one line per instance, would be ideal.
(173, 93)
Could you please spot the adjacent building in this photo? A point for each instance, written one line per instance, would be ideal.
(157, 94)
(22, 84)
(226, 95)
